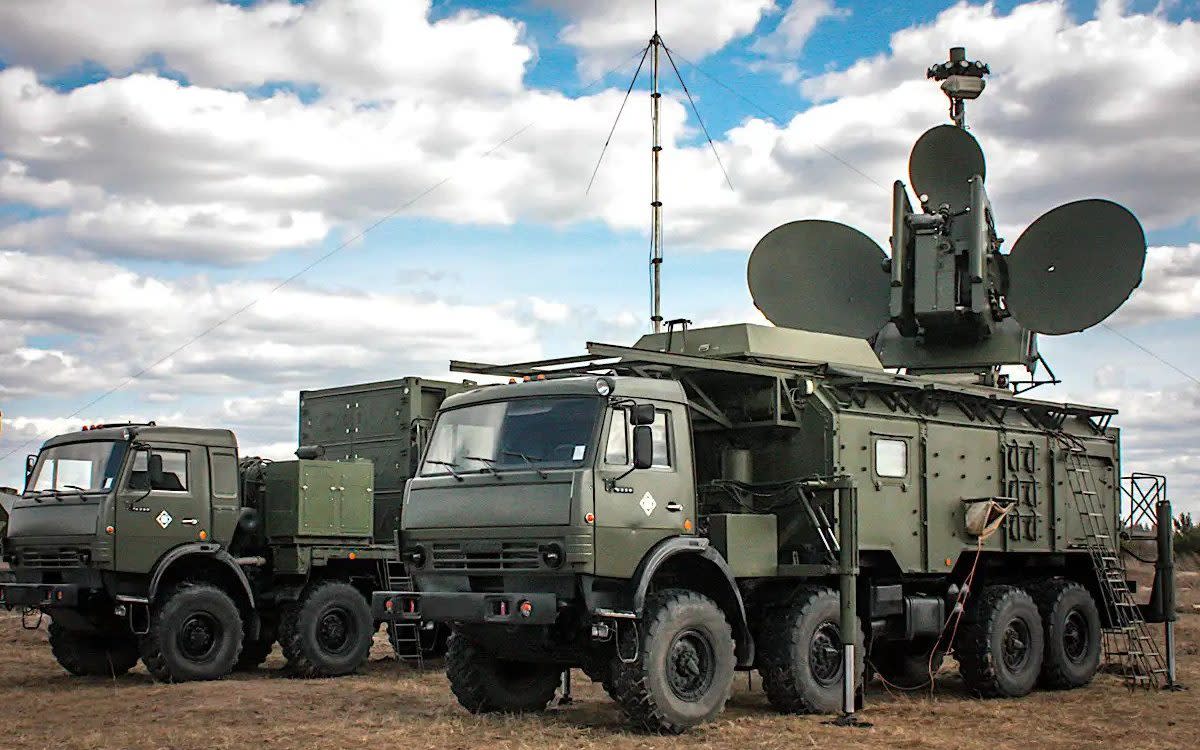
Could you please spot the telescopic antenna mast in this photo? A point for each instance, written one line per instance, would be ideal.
(654, 50)
(656, 244)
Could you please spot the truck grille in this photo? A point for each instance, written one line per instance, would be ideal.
(53, 559)
(475, 557)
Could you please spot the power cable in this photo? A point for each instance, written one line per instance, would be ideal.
(696, 111)
(778, 121)
(305, 269)
(1152, 354)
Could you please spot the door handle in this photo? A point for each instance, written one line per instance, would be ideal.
(189, 521)
(674, 507)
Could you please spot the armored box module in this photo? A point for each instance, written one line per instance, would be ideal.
(319, 499)
(385, 423)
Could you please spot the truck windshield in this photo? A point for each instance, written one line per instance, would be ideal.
(76, 467)
(519, 434)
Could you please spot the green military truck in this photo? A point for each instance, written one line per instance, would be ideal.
(712, 502)
(864, 483)
(162, 543)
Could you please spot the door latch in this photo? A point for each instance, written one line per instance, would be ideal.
(674, 507)
(190, 521)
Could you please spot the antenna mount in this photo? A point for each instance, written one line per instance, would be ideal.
(961, 80)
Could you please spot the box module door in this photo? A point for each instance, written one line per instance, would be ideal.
(162, 502)
(635, 512)
(889, 499)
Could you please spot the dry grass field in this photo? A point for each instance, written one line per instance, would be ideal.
(390, 705)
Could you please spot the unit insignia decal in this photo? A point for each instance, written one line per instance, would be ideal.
(647, 503)
(164, 519)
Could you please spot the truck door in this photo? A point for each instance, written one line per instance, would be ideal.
(163, 502)
(636, 511)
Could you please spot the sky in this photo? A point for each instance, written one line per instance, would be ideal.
(208, 206)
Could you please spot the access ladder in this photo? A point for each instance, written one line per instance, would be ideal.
(405, 635)
(1128, 644)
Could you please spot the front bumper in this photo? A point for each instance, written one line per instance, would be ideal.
(39, 594)
(466, 607)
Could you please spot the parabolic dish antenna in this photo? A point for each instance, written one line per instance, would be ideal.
(820, 276)
(1074, 266)
(943, 159)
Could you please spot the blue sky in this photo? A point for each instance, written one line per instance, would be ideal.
(158, 171)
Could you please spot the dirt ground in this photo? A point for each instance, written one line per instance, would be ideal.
(392, 705)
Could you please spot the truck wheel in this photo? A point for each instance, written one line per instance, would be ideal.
(255, 652)
(484, 683)
(906, 664)
(195, 634)
(92, 654)
(1000, 644)
(1072, 634)
(328, 632)
(684, 667)
(802, 656)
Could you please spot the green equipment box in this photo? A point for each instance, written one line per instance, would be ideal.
(748, 542)
(319, 499)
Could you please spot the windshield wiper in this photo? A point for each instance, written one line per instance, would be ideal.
(487, 464)
(449, 467)
(540, 472)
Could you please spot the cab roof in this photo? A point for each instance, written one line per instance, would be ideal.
(573, 385)
(150, 433)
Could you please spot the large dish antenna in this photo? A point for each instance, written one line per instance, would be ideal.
(1075, 266)
(942, 162)
(820, 276)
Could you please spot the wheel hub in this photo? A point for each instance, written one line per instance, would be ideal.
(1076, 636)
(333, 630)
(1015, 645)
(691, 665)
(825, 654)
(199, 635)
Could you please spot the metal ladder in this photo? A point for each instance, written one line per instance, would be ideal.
(405, 635)
(1128, 643)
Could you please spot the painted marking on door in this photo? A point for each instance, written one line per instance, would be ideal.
(164, 519)
(647, 503)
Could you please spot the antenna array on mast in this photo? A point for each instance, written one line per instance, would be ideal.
(653, 50)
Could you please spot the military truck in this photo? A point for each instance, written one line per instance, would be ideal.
(865, 483)
(162, 543)
(690, 512)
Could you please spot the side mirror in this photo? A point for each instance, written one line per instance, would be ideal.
(643, 447)
(641, 414)
(30, 462)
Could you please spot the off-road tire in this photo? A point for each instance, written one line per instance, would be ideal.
(483, 683)
(801, 658)
(328, 632)
(92, 654)
(680, 631)
(1000, 644)
(906, 664)
(1073, 634)
(183, 609)
(256, 651)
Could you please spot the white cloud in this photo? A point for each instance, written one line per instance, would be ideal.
(147, 167)
(1170, 287)
(605, 33)
(794, 29)
(368, 49)
(119, 322)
